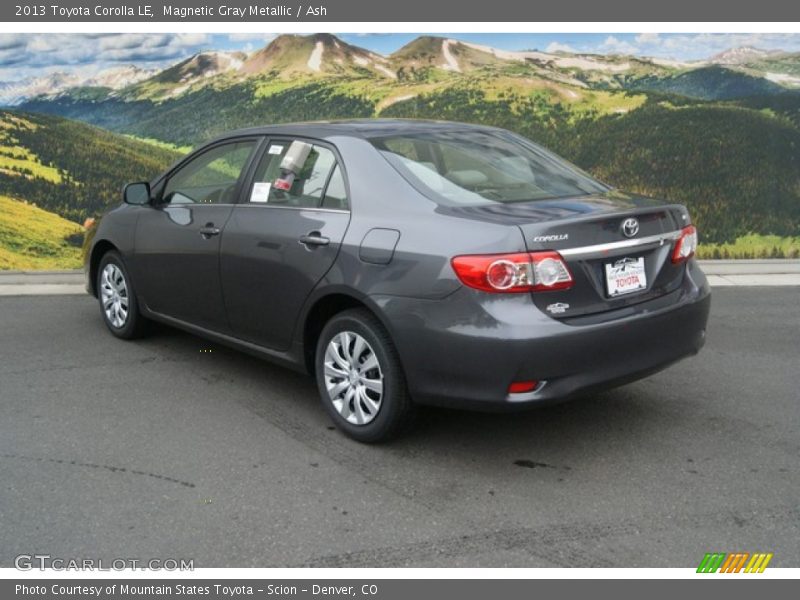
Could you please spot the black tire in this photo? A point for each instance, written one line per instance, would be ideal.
(135, 324)
(396, 411)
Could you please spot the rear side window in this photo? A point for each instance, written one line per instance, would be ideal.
(335, 194)
(475, 167)
(294, 173)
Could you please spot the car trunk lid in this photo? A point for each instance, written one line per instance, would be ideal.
(588, 232)
(618, 257)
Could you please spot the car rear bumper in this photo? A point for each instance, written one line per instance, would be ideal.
(467, 349)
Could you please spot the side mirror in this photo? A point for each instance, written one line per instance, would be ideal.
(137, 193)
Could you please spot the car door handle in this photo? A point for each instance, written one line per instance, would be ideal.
(209, 230)
(314, 239)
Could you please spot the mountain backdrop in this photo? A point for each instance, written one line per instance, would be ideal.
(720, 135)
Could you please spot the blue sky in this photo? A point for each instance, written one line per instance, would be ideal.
(28, 54)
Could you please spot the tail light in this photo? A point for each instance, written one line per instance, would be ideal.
(522, 387)
(513, 273)
(686, 245)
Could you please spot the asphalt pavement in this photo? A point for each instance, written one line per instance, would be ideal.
(172, 447)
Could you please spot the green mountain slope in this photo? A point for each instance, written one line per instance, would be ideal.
(785, 106)
(738, 170)
(32, 238)
(709, 83)
(70, 168)
(787, 63)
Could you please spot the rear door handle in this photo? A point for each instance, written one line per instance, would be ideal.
(314, 239)
(209, 230)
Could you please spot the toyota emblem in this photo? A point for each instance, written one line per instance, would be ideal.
(630, 227)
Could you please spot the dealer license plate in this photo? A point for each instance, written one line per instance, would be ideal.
(625, 276)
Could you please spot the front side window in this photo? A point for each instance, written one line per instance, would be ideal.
(211, 177)
(474, 167)
(299, 174)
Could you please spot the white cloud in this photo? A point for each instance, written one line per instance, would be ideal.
(13, 40)
(185, 39)
(553, 47)
(264, 38)
(126, 41)
(648, 39)
(703, 45)
(23, 55)
(613, 45)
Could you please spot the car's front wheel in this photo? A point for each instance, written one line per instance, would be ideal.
(117, 298)
(360, 379)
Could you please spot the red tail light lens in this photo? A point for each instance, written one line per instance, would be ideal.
(514, 273)
(686, 245)
(521, 387)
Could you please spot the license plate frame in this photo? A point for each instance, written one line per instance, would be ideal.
(625, 276)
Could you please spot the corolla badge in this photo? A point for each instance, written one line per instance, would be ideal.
(558, 308)
(556, 237)
(630, 227)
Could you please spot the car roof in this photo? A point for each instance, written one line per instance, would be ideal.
(361, 128)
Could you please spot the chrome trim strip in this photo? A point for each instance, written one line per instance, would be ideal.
(276, 206)
(601, 249)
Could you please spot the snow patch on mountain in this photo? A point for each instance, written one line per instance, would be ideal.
(315, 60)
(450, 62)
(783, 79)
(742, 55)
(385, 71)
(563, 61)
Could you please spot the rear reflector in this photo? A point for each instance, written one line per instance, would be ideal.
(513, 273)
(686, 245)
(520, 387)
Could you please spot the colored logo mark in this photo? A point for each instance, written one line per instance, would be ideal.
(737, 562)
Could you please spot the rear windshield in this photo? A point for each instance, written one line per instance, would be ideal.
(474, 167)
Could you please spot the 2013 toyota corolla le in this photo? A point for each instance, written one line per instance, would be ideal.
(405, 263)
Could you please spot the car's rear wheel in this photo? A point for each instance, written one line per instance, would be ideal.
(360, 379)
(117, 298)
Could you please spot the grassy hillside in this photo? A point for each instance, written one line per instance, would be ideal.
(69, 168)
(785, 106)
(753, 246)
(34, 239)
(17, 160)
(195, 117)
(741, 175)
(709, 83)
(787, 63)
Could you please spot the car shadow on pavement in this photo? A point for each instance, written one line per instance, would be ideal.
(290, 401)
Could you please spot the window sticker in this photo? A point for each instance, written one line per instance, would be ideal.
(275, 149)
(260, 191)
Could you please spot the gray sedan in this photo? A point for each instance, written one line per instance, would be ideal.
(405, 263)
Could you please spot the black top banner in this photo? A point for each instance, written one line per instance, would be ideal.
(472, 11)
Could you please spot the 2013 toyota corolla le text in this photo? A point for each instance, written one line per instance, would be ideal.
(405, 263)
